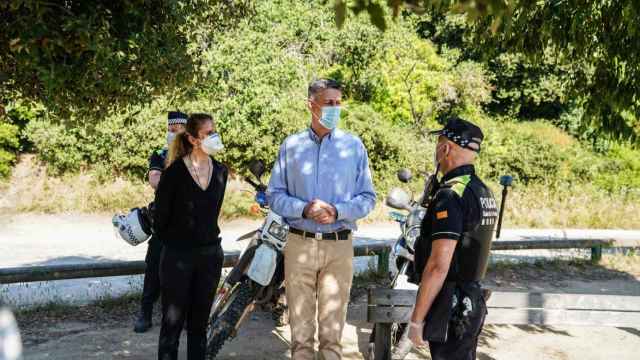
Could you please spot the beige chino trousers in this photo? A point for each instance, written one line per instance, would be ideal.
(318, 275)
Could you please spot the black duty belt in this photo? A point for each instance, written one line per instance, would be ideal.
(339, 235)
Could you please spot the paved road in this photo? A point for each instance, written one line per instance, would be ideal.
(29, 239)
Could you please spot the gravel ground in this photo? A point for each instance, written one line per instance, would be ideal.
(103, 330)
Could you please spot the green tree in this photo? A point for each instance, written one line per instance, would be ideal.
(96, 56)
(9, 145)
(601, 36)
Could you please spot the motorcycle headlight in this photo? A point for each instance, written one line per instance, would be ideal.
(278, 231)
(412, 235)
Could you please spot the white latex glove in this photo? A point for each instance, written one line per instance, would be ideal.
(415, 333)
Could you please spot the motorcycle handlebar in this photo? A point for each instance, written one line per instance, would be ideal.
(258, 187)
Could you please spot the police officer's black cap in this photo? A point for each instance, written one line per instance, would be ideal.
(177, 117)
(462, 132)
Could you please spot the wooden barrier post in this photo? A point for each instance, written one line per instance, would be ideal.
(596, 254)
(382, 350)
(383, 261)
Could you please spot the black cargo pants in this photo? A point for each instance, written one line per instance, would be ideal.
(189, 280)
(465, 347)
(151, 287)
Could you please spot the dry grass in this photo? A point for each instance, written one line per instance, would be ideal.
(578, 206)
(555, 271)
(30, 189)
(623, 263)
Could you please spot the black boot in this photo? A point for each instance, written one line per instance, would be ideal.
(143, 322)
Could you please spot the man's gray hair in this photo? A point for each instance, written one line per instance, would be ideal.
(322, 84)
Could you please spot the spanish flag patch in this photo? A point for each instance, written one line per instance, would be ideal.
(442, 215)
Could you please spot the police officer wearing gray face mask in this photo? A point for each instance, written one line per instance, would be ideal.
(452, 251)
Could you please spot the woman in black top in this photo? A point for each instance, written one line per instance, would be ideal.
(188, 202)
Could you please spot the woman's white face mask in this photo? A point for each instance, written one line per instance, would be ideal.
(212, 144)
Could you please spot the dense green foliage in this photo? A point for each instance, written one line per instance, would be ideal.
(256, 89)
(88, 60)
(8, 147)
(522, 88)
(98, 56)
(397, 84)
(598, 41)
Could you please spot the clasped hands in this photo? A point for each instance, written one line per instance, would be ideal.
(321, 212)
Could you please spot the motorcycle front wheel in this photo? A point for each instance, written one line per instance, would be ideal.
(223, 323)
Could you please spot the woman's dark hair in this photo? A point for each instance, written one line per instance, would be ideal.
(181, 147)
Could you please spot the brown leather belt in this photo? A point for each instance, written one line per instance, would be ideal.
(339, 235)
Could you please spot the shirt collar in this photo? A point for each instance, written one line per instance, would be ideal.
(316, 138)
(459, 171)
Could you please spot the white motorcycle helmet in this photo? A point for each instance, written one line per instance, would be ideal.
(135, 227)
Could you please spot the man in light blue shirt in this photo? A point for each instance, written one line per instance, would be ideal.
(321, 184)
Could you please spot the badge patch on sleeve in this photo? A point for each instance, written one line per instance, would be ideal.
(442, 215)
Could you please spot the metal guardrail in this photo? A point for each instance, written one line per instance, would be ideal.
(25, 274)
(596, 245)
(362, 247)
(78, 271)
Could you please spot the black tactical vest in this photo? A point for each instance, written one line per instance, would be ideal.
(480, 211)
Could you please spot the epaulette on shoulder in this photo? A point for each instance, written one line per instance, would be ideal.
(458, 184)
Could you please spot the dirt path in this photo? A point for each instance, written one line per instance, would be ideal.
(103, 330)
(259, 339)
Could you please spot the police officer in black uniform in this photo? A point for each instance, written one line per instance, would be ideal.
(151, 289)
(453, 249)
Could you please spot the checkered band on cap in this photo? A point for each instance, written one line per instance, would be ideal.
(176, 117)
(177, 121)
(462, 141)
